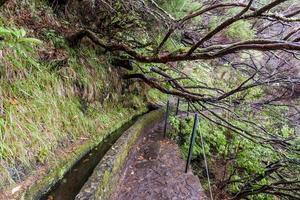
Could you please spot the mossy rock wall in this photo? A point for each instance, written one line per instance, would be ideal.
(65, 164)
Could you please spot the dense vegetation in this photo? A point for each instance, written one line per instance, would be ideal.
(237, 63)
(53, 98)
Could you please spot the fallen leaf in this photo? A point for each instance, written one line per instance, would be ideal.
(16, 189)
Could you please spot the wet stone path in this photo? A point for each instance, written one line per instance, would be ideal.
(155, 171)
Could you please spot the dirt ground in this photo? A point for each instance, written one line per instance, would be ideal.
(155, 171)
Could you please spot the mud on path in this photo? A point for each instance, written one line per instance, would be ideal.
(155, 171)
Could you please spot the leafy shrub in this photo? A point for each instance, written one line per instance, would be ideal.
(240, 30)
(249, 158)
(17, 52)
(16, 40)
(156, 96)
(58, 40)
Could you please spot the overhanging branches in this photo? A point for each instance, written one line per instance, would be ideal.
(266, 66)
(211, 52)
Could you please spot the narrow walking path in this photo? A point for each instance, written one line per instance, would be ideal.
(155, 171)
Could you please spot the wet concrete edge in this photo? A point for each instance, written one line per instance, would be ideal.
(44, 185)
(108, 172)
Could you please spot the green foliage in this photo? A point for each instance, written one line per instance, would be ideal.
(214, 22)
(185, 135)
(220, 143)
(155, 95)
(179, 8)
(42, 155)
(172, 44)
(286, 131)
(17, 48)
(57, 40)
(240, 30)
(44, 111)
(15, 39)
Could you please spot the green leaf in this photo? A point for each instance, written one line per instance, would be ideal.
(4, 31)
(22, 32)
(30, 41)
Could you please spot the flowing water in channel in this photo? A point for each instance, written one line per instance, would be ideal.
(68, 187)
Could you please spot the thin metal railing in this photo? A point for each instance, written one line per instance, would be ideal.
(192, 142)
(177, 106)
(206, 166)
(166, 118)
(192, 139)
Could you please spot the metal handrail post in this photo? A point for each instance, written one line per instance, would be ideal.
(166, 118)
(177, 106)
(192, 142)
